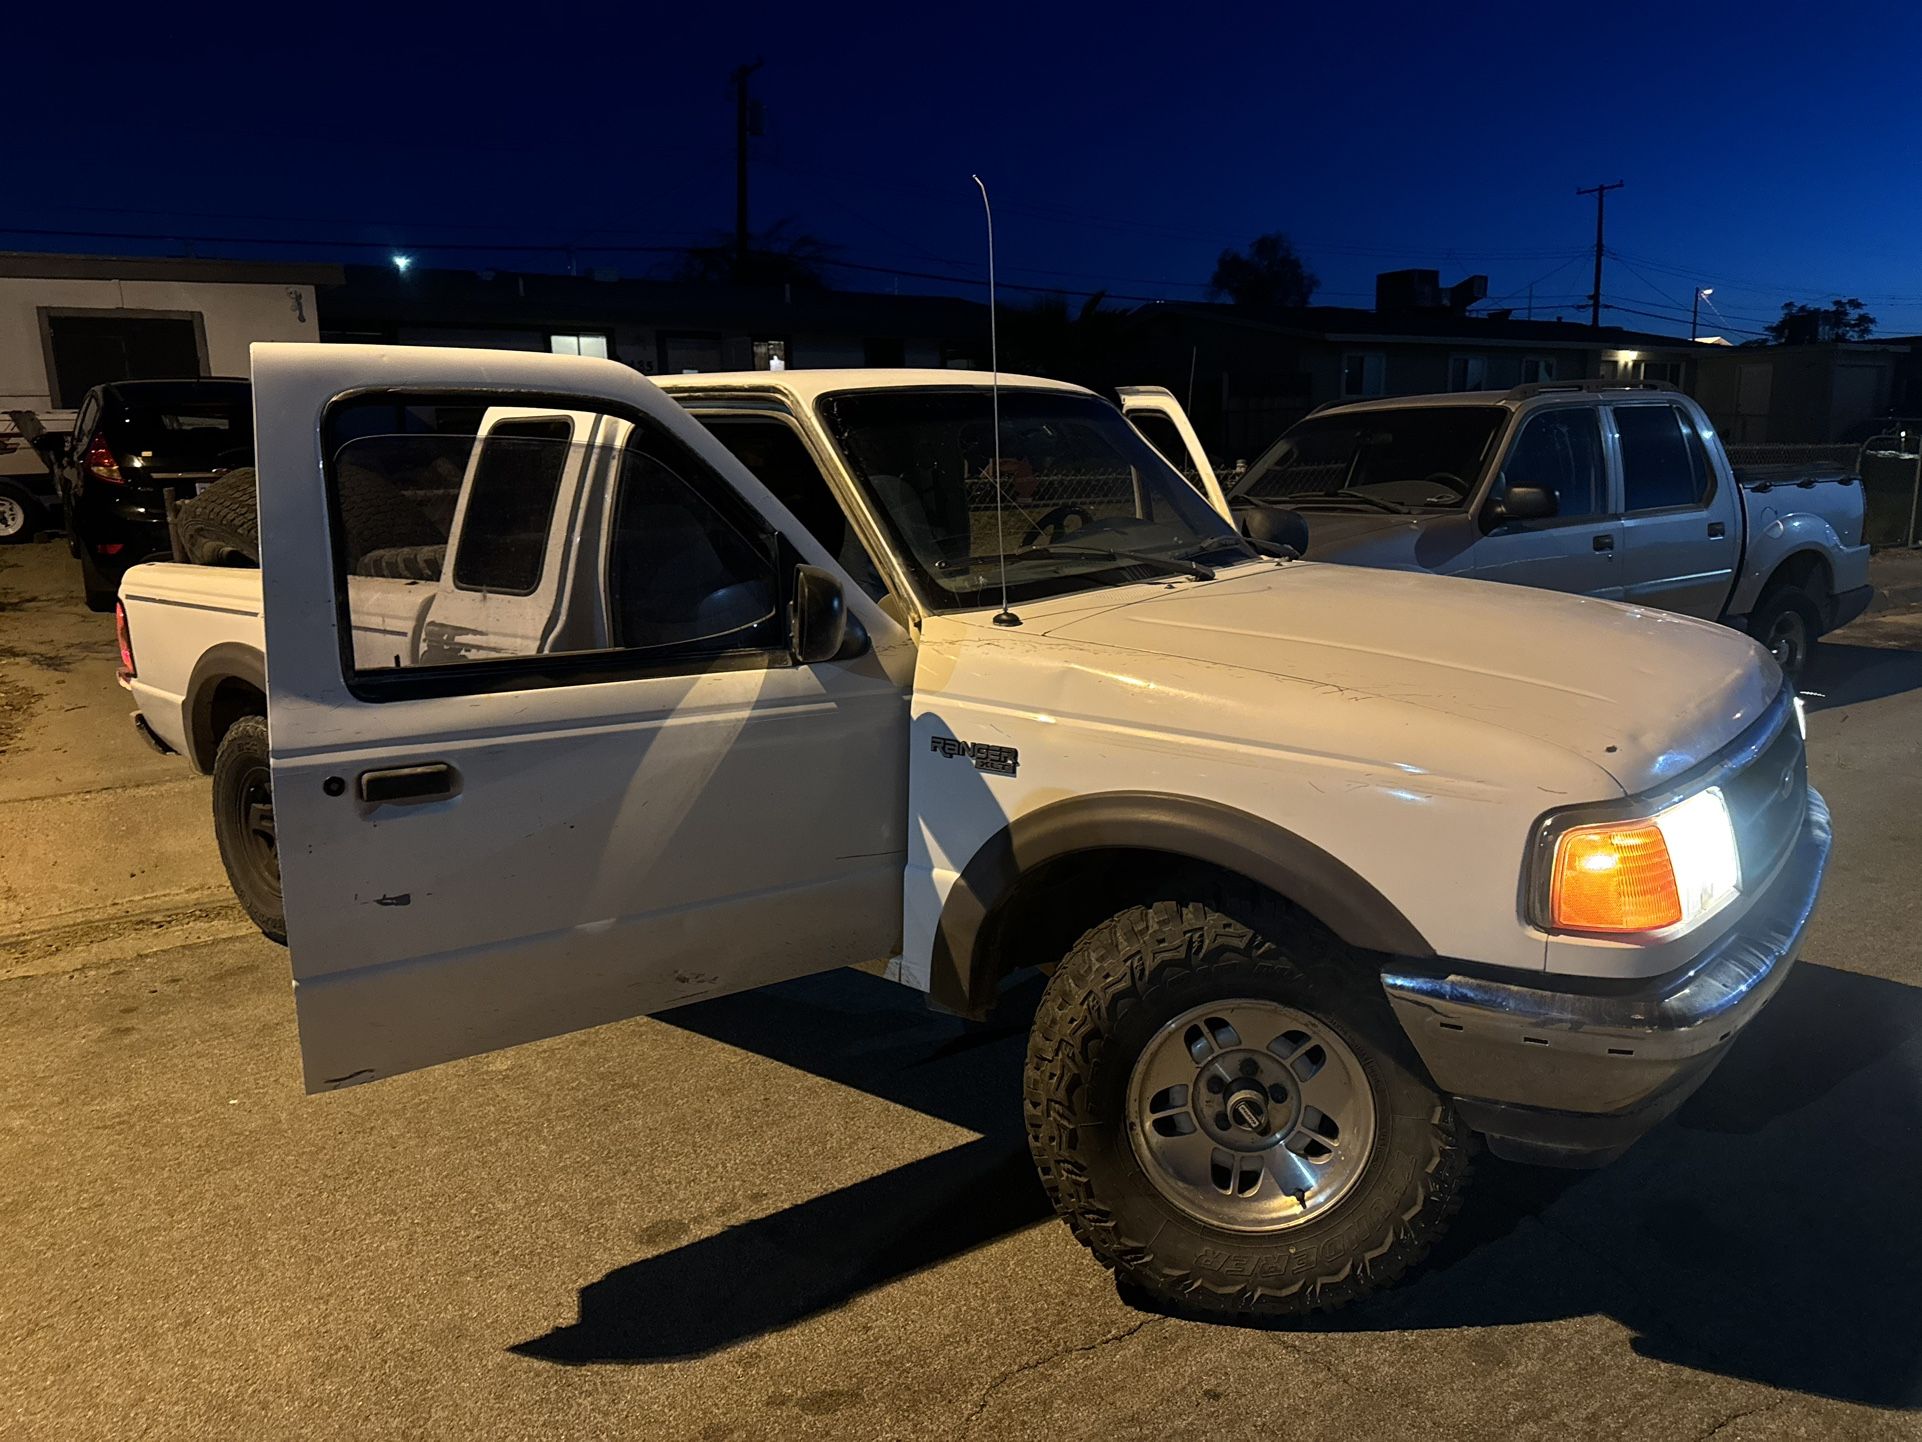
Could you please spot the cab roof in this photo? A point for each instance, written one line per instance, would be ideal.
(806, 386)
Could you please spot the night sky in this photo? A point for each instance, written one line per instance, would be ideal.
(1771, 150)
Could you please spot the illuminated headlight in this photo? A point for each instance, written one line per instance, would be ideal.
(1801, 718)
(1671, 869)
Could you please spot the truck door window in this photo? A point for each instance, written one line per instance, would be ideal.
(780, 460)
(1159, 431)
(1561, 451)
(510, 506)
(682, 577)
(1663, 467)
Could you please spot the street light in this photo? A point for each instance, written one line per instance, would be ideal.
(401, 262)
(1702, 293)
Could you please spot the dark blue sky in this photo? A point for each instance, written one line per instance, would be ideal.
(1772, 151)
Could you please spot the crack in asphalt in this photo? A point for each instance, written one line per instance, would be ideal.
(987, 1393)
(1734, 1417)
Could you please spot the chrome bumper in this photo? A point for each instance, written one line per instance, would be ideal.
(1575, 1077)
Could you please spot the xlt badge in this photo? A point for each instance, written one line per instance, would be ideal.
(995, 760)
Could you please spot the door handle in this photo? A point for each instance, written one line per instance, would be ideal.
(409, 783)
(1716, 530)
(1605, 543)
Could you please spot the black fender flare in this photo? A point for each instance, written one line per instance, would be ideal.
(228, 661)
(965, 975)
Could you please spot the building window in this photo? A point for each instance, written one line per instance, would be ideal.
(770, 355)
(581, 343)
(1362, 373)
(1537, 369)
(1670, 371)
(1467, 372)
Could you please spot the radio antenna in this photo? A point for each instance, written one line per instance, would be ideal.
(1003, 617)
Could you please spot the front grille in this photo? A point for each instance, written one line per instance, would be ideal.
(1767, 801)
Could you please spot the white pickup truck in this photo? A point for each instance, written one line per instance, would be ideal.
(1332, 869)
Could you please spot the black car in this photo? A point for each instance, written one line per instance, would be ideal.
(132, 442)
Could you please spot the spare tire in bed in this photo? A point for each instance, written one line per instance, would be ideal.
(221, 525)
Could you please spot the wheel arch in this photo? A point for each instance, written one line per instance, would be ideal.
(229, 681)
(1094, 848)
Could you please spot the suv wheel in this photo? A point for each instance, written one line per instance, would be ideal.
(1227, 1115)
(244, 824)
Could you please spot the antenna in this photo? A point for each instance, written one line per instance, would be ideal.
(1003, 617)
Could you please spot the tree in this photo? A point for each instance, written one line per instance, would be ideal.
(777, 256)
(1266, 276)
(1838, 320)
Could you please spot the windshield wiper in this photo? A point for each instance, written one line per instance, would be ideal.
(1250, 550)
(1174, 565)
(1345, 494)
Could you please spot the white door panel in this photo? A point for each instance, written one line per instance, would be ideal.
(596, 843)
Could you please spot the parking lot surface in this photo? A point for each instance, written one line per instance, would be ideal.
(809, 1211)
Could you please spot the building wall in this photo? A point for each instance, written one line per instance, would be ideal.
(233, 316)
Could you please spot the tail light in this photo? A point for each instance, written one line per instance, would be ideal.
(127, 672)
(100, 463)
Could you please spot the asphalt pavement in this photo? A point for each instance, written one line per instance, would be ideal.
(808, 1212)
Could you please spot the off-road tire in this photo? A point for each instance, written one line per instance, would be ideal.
(240, 768)
(221, 525)
(1790, 606)
(1116, 988)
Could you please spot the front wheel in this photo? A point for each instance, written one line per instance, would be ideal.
(1227, 1115)
(244, 824)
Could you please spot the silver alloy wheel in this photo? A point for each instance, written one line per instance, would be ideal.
(13, 516)
(1250, 1115)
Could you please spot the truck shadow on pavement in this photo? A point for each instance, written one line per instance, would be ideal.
(1768, 1232)
(1841, 674)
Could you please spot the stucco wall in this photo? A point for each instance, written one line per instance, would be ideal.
(233, 314)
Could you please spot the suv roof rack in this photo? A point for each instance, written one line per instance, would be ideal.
(1542, 388)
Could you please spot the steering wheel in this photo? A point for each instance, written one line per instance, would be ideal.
(1449, 479)
(1055, 523)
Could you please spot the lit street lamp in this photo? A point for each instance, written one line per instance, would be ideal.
(1702, 293)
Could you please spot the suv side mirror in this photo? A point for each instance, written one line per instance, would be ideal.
(817, 618)
(1521, 503)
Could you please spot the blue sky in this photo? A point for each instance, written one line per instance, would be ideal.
(1769, 150)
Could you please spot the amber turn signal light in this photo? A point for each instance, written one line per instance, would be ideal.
(1616, 877)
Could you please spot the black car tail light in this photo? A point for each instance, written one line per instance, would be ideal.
(100, 463)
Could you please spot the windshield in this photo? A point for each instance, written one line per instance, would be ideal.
(1421, 458)
(1084, 500)
(186, 426)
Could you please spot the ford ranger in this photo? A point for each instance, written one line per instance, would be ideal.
(1332, 870)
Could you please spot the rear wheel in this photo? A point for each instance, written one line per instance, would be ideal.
(1787, 622)
(244, 824)
(20, 517)
(1226, 1114)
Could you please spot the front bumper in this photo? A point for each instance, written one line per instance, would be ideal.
(1573, 1078)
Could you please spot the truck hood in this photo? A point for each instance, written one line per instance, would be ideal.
(1642, 694)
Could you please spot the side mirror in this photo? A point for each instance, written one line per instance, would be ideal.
(1521, 503)
(1273, 525)
(817, 617)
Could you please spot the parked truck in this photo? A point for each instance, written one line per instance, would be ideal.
(1332, 870)
(1599, 488)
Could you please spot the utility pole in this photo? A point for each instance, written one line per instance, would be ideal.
(1600, 192)
(743, 114)
(1695, 308)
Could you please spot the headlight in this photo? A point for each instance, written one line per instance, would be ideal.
(1801, 718)
(1673, 868)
